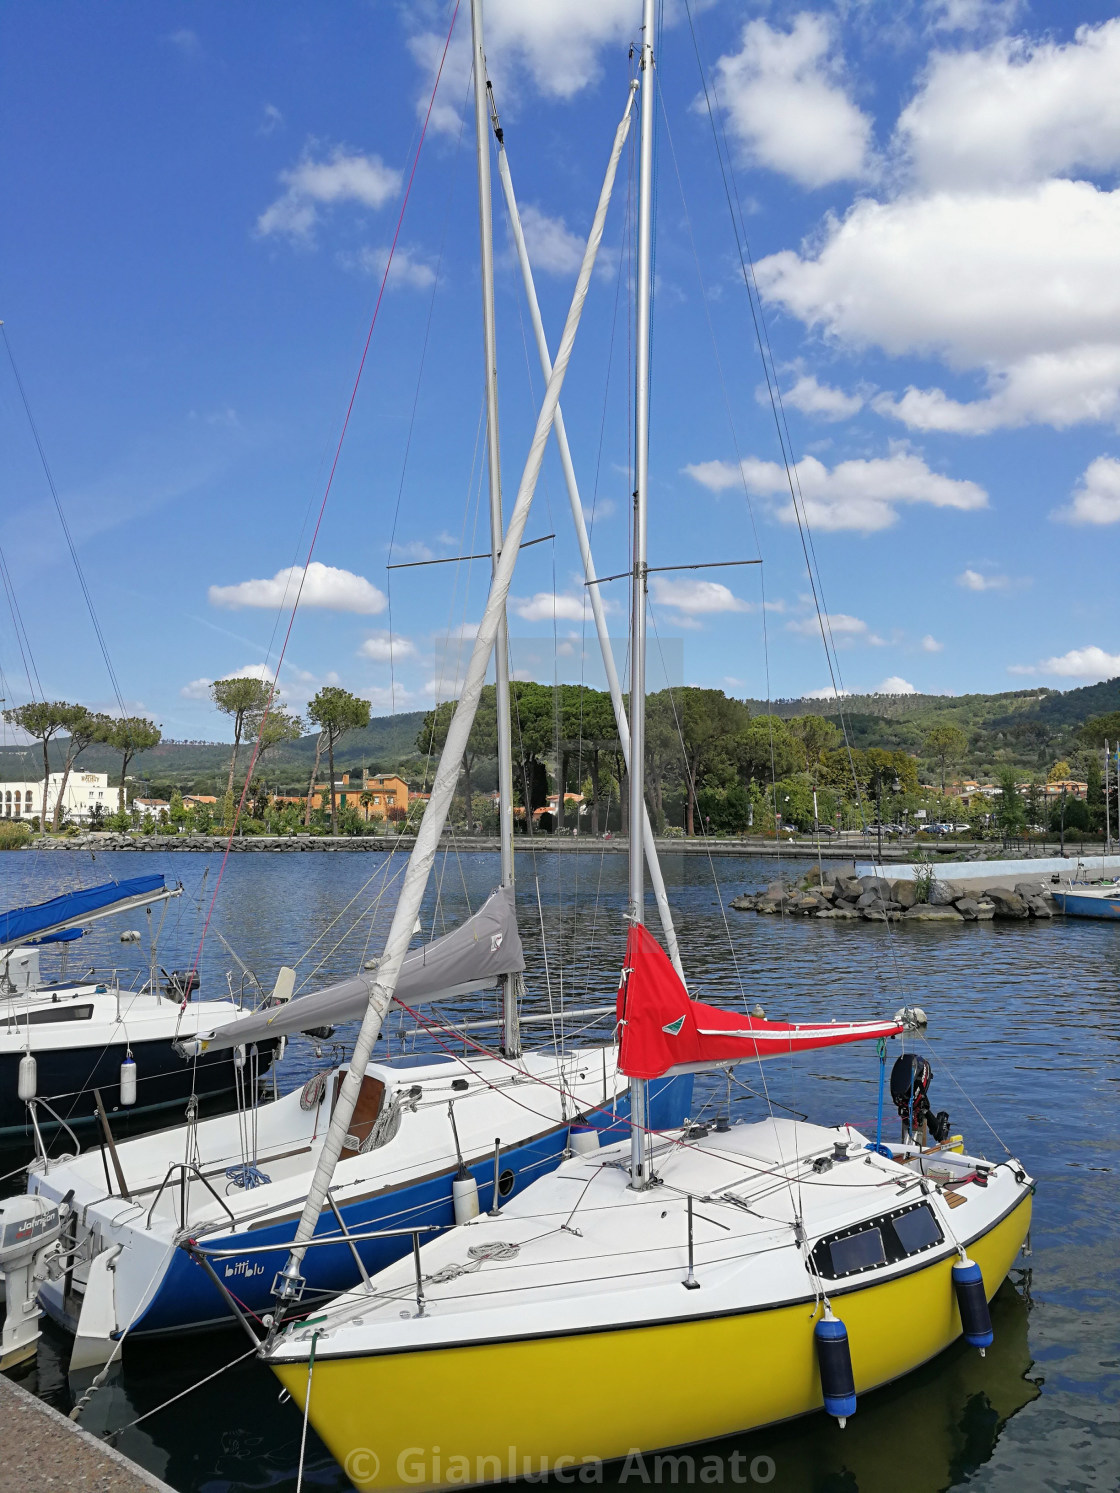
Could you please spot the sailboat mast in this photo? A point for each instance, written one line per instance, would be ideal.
(638, 1167)
(511, 1042)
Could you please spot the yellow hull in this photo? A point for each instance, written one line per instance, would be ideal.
(462, 1415)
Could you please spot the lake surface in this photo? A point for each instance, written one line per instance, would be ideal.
(1024, 1039)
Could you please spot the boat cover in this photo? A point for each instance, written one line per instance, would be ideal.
(23, 923)
(470, 957)
(663, 1031)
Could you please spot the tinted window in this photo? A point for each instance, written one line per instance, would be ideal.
(52, 1013)
(857, 1252)
(917, 1229)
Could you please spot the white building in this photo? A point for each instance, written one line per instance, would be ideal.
(151, 808)
(84, 790)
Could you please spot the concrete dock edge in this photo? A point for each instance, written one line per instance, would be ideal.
(43, 1450)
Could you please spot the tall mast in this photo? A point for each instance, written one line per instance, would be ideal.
(511, 1041)
(638, 1166)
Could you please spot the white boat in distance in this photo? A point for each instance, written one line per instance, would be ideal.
(64, 1042)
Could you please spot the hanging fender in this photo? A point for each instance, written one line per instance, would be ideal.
(834, 1359)
(972, 1303)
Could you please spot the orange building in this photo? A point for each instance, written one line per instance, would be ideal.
(373, 796)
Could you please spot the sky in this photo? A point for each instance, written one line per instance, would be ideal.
(198, 205)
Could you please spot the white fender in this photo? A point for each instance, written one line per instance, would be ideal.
(94, 1343)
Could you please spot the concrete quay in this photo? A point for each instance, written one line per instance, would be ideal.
(44, 1452)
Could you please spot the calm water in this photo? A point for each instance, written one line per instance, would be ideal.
(1023, 1040)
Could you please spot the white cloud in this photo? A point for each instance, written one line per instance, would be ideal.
(186, 41)
(1090, 663)
(859, 494)
(271, 120)
(931, 645)
(827, 693)
(544, 606)
(383, 647)
(553, 248)
(549, 46)
(343, 176)
(408, 268)
(1017, 111)
(390, 697)
(839, 624)
(973, 15)
(821, 400)
(785, 103)
(973, 580)
(894, 685)
(1097, 498)
(326, 586)
(199, 689)
(1019, 285)
(696, 598)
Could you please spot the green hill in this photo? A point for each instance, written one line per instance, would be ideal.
(1028, 729)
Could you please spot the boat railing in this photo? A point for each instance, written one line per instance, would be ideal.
(40, 1145)
(185, 1168)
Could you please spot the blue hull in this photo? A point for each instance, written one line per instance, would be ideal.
(1077, 905)
(187, 1299)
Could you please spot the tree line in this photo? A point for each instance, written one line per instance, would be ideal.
(707, 757)
(248, 702)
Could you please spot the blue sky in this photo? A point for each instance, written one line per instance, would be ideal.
(198, 201)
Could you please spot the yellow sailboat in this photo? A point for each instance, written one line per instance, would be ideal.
(683, 1286)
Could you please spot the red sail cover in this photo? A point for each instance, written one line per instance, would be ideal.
(662, 1029)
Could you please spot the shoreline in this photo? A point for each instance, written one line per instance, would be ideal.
(857, 848)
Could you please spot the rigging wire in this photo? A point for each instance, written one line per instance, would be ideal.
(70, 545)
(785, 442)
(416, 402)
(330, 482)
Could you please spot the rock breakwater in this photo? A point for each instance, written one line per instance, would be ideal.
(878, 899)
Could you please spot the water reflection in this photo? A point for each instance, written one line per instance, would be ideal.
(1024, 1045)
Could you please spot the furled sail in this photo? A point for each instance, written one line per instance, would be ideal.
(663, 1031)
(23, 923)
(470, 957)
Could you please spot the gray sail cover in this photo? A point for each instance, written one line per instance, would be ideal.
(470, 957)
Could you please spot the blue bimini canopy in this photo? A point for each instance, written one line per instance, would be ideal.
(24, 923)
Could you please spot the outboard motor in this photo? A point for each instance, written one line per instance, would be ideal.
(910, 1081)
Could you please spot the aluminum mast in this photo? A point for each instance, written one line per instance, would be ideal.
(639, 1172)
(614, 688)
(511, 984)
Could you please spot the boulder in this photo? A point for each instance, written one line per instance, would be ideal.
(905, 893)
(929, 912)
(885, 912)
(941, 895)
(768, 905)
(872, 897)
(744, 903)
(1027, 889)
(985, 910)
(1007, 904)
(848, 887)
(841, 913)
(866, 882)
(966, 906)
(776, 890)
(1039, 907)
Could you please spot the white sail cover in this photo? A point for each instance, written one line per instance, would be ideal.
(470, 957)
